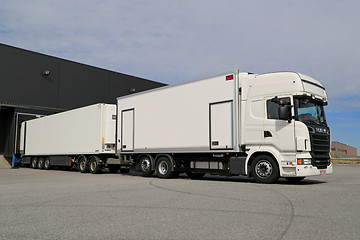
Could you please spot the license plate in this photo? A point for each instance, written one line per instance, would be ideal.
(322, 172)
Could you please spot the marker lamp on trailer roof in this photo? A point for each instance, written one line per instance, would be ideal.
(229, 77)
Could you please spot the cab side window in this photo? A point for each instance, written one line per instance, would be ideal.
(273, 108)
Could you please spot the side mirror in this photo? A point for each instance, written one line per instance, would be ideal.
(275, 100)
(282, 102)
(285, 112)
(279, 101)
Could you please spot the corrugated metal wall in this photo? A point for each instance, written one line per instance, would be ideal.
(68, 85)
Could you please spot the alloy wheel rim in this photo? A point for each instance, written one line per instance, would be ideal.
(145, 164)
(263, 169)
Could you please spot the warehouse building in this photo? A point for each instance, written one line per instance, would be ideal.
(34, 84)
(341, 150)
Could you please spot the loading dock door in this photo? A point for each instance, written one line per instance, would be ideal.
(221, 127)
(21, 117)
(127, 130)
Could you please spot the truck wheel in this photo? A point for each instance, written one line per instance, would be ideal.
(94, 165)
(40, 163)
(47, 164)
(145, 166)
(264, 169)
(113, 168)
(83, 167)
(163, 168)
(34, 163)
(294, 179)
(193, 175)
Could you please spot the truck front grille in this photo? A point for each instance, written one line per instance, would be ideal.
(320, 148)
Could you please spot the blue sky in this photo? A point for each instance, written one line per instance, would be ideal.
(177, 41)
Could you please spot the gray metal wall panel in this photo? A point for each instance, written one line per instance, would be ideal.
(22, 81)
(69, 85)
(82, 85)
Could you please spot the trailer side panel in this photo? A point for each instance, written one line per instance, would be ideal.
(79, 131)
(178, 118)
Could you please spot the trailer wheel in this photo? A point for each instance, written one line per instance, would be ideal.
(34, 163)
(194, 175)
(94, 166)
(40, 163)
(83, 167)
(47, 164)
(264, 169)
(145, 166)
(294, 179)
(163, 168)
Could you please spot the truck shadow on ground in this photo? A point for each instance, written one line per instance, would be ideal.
(240, 179)
(214, 178)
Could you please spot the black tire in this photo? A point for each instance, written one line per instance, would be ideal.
(124, 170)
(94, 165)
(83, 166)
(264, 169)
(113, 168)
(40, 163)
(163, 168)
(47, 164)
(145, 166)
(193, 175)
(294, 179)
(34, 163)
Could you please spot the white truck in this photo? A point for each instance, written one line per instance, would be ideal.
(264, 126)
(82, 138)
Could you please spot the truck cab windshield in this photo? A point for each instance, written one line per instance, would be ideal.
(310, 111)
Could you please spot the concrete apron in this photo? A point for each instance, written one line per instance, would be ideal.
(4, 163)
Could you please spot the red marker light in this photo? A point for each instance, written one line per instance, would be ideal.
(229, 77)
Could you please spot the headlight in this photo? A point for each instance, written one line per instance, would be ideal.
(304, 161)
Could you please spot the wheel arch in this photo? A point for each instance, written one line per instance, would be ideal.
(254, 155)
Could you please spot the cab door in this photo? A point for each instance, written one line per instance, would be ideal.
(279, 133)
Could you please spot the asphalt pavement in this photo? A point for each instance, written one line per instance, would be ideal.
(55, 204)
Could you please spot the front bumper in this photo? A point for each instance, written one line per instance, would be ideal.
(305, 171)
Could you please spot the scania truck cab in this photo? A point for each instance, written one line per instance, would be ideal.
(284, 119)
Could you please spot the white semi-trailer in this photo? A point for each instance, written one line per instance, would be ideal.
(83, 138)
(261, 125)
